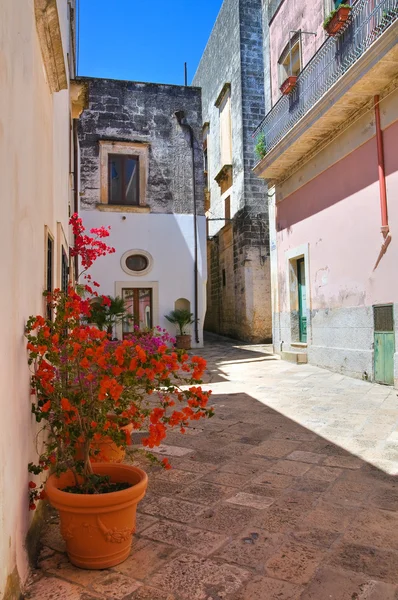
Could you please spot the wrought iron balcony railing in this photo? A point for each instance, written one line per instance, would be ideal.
(368, 20)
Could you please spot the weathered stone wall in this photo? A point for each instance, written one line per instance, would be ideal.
(128, 111)
(239, 307)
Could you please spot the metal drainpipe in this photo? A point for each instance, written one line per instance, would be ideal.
(180, 117)
(382, 176)
(75, 181)
(385, 228)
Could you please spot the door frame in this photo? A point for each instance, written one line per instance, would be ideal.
(153, 285)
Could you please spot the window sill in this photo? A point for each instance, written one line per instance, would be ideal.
(125, 208)
(299, 344)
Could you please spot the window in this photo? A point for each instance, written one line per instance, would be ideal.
(123, 186)
(139, 304)
(124, 172)
(290, 60)
(136, 262)
(224, 104)
(227, 208)
(64, 271)
(49, 271)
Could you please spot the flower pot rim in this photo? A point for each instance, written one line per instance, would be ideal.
(63, 500)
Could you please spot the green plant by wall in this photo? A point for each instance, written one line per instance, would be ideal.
(260, 148)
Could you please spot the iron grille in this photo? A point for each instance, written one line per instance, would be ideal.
(383, 318)
(368, 21)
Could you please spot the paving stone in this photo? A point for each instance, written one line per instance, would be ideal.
(228, 479)
(50, 588)
(275, 448)
(52, 537)
(348, 492)
(306, 457)
(246, 465)
(374, 527)
(224, 518)
(295, 562)
(296, 502)
(149, 593)
(251, 548)
(194, 578)
(386, 499)
(377, 563)
(193, 465)
(344, 585)
(179, 476)
(146, 557)
(115, 586)
(177, 510)
(265, 588)
(289, 467)
(171, 450)
(323, 473)
(273, 480)
(143, 521)
(207, 493)
(182, 536)
(330, 517)
(276, 519)
(314, 537)
(59, 566)
(345, 462)
(251, 500)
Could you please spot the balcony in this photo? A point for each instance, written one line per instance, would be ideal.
(335, 85)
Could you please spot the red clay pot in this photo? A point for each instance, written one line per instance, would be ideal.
(338, 21)
(108, 450)
(98, 528)
(183, 342)
(288, 85)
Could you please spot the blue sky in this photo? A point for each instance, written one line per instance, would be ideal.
(144, 40)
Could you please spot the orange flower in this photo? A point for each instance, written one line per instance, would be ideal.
(46, 407)
(65, 404)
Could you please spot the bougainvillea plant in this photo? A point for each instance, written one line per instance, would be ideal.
(86, 386)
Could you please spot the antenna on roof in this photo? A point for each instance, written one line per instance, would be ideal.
(185, 74)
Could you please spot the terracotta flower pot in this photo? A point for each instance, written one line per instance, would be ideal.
(183, 342)
(108, 450)
(98, 528)
(338, 20)
(288, 85)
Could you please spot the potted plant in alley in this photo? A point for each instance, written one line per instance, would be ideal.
(181, 317)
(337, 19)
(107, 315)
(79, 378)
(288, 85)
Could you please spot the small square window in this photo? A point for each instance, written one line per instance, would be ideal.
(123, 185)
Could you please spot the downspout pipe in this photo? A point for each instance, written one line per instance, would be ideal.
(385, 228)
(180, 115)
(75, 182)
(382, 175)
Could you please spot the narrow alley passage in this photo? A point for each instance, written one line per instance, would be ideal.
(289, 492)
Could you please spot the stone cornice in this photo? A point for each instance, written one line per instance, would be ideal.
(49, 32)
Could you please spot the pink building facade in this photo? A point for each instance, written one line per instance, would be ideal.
(331, 164)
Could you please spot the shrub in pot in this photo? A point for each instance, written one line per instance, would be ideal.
(181, 317)
(80, 378)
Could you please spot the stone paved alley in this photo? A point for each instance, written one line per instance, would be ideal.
(289, 492)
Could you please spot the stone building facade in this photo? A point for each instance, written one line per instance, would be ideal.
(157, 222)
(331, 164)
(231, 75)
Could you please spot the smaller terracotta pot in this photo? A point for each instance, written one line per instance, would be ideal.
(338, 21)
(108, 450)
(98, 528)
(288, 85)
(183, 342)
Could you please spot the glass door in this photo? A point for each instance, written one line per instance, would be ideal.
(302, 300)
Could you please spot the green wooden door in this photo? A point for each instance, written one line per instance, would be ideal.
(302, 300)
(384, 344)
